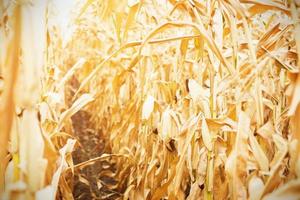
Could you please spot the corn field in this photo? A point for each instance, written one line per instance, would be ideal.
(150, 99)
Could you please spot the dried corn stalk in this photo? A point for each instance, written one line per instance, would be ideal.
(197, 96)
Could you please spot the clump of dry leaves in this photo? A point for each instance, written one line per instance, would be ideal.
(193, 100)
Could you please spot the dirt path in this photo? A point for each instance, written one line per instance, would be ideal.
(88, 182)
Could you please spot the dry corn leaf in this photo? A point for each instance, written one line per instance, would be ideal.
(133, 8)
(267, 130)
(258, 153)
(290, 191)
(148, 107)
(236, 161)
(207, 139)
(49, 192)
(82, 101)
(71, 72)
(255, 188)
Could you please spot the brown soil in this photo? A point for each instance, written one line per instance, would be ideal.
(88, 182)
